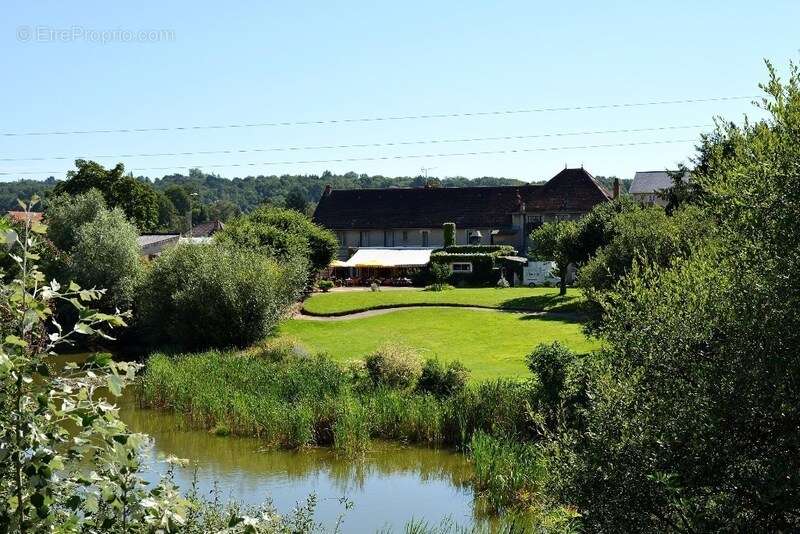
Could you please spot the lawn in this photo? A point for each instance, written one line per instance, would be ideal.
(491, 344)
(515, 298)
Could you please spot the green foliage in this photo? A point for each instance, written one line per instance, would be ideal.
(440, 273)
(497, 250)
(296, 201)
(325, 285)
(53, 427)
(449, 230)
(106, 254)
(558, 242)
(443, 380)
(136, 198)
(483, 267)
(645, 236)
(211, 296)
(65, 214)
(693, 424)
(394, 366)
(284, 234)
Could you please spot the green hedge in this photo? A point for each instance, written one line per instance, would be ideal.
(483, 267)
(500, 250)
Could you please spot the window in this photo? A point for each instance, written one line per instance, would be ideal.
(425, 236)
(405, 236)
(341, 237)
(363, 239)
(388, 238)
(465, 267)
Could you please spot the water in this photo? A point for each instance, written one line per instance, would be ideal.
(389, 487)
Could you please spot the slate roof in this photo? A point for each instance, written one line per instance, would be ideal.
(571, 190)
(647, 182)
(206, 229)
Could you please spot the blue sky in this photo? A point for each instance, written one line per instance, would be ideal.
(256, 62)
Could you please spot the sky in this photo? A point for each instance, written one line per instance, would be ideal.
(166, 67)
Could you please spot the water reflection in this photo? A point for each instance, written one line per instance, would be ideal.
(388, 487)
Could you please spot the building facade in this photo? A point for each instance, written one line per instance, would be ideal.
(413, 217)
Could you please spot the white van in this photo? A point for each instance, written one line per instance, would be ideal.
(540, 273)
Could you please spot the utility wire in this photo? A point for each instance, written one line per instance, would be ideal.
(384, 158)
(365, 145)
(380, 119)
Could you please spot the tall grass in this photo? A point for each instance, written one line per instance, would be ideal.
(291, 401)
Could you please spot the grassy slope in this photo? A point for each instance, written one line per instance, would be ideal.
(519, 298)
(491, 344)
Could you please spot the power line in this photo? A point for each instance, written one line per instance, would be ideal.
(385, 158)
(364, 145)
(380, 119)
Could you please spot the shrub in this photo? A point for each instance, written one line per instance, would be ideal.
(209, 296)
(449, 231)
(440, 273)
(325, 285)
(502, 283)
(106, 254)
(393, 366)
(439, 287)
(374, 286)
(443, 380)
(65, 214)
(284, 234)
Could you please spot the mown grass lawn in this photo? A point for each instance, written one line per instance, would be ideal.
(491, 344)
(513, 298)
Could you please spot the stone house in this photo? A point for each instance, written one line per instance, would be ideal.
(413, 217)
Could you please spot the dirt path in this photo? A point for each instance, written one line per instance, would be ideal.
(383, 311)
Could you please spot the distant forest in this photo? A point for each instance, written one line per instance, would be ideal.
(236, 195)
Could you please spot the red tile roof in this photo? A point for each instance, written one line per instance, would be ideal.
(19, 216)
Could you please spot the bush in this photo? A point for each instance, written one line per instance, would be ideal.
(502, 283)
(65, 214)
(440, 273)
(443, 380)
(374, 286)
(284, 234)
(199, 296)
(393, 366)
(449, 231)
(325, 285)
(439, 287)
(106, 254)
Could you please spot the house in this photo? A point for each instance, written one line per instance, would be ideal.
(413, 217)
(20, 216)
(648, 187)
(153, 244)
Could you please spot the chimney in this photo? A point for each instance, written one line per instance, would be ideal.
(328, 189)
(616, 188)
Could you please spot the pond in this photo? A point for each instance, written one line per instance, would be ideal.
(388, 487)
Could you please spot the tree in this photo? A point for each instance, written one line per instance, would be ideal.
(449, 230)
(136, 198)
(694, 423)
(684, 190)
(556, 241)
(65, 214)
(53, 428)
(283, 234)
(202, 296)
(179, 198)
(106, 254)
(296, 200)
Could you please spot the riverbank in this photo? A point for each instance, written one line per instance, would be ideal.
(299, 402)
